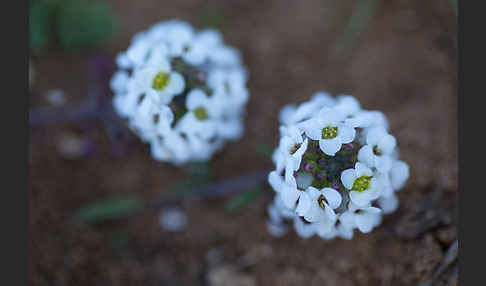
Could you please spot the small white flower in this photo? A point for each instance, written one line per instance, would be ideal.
(197, 51)
(178, 35)
(318, 205)
(172, 145)
(364, 218)
(202, 115)
(161, 83)
(330, 131)
(347, 105)
(304, 229)
(378, 149)
(292, 146)
(361, 183)
(294, 186)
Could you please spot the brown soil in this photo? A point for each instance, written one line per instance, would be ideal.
(404, 64)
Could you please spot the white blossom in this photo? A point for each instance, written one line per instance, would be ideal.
(337, 169)
(182, 91)
(329, 130)
(378, 149)
(362, 186)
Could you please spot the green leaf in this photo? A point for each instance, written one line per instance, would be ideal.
(38, 26)
(241, 201)
(359, 21)
(82, 24)
(109, 209)
(264, 149)
(211, 18)
(454, 6)
(199, 175)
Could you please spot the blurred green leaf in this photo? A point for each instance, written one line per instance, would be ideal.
(211, 18)
(38, 26)
(81, 24)
(109, 209)
(202, 170)
(241, 201)
(360, 19)
(453, 5)
(265, 150)
(199, 174)
(74, 24)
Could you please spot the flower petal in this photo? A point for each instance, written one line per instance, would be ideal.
(286, 114)
(330, 146)
(374, 135)
(275, 180)
(314, 213)
(388, 204)
(304, 230)
(297, 156)
(325, 229)
(347, 219)
(344, 231)
(387, 144)
(330, 214)
(346, 133)
(313, 130)
(360, 198)
(328, 116)
(347, 105)
(304, 204)
(362, 170)
(368, 219)
(399, 174)
(365, 155)
(383, 163)
(290, 195)
(196, 98)
(347, 178)
(333, 197)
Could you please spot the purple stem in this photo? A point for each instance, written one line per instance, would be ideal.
(89, 109)
(214, 190)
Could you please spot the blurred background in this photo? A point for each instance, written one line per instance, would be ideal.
(91, 181)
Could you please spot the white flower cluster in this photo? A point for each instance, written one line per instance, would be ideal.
(182, 91)
(337, 169)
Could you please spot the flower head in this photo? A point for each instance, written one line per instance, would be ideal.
(336, 168)
(183, 91)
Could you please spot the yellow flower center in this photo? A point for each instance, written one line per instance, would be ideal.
(201, 113)
(294, 148)
(321, 200)
(377, 151)
(161, 80)
(362, 183)
(329, 132)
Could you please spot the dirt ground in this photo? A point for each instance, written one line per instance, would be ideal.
(404, 64)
